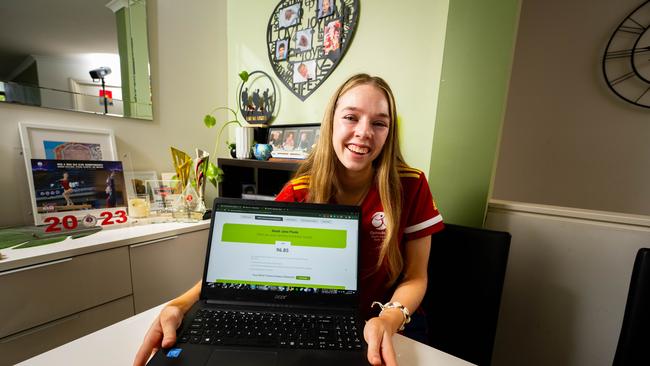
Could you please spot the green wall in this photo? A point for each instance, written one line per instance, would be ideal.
(399, 41)
(460, 97)
(475, 75)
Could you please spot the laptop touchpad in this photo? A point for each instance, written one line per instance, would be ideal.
(224, 357)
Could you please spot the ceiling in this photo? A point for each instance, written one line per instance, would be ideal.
(54, 28)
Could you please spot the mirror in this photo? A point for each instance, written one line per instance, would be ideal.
(50, 48)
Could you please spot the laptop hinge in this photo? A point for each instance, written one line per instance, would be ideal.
(276, 306)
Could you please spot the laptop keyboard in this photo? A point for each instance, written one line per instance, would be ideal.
(268, 329)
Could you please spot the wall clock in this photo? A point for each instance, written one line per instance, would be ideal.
(626, 62)
(307, 39)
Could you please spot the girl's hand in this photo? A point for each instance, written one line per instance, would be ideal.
(162, 333)
(378, 333)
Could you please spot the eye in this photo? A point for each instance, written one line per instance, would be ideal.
(380, 124)
(350, 117)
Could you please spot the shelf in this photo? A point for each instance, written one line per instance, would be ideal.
(264, 177)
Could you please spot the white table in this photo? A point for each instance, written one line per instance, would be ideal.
(117, 344)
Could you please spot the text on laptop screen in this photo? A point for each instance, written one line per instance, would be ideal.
(283, 249)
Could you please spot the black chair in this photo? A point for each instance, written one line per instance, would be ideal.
(634, 342)
(467, 267)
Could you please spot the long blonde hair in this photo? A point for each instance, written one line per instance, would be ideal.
(322, 163)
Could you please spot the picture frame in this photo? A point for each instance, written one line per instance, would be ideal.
(303, 40)
(325, 8)
(136, 182)
(304, 71)
(293, 141)
(92, 143)
(76, 191)
(66, 143)
(281, 49)
(289, 16)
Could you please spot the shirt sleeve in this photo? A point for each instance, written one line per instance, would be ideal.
(286, 194)
(423, 218)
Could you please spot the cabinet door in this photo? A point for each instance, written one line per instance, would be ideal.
(165, 268)
(44, 292)
(34, 341)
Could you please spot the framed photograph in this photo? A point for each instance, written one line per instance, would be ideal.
(289, 16)
(281, 49)
(332, 39)
(304, 71)
(135, 182)
(293, 141)
(325, 8)
(303, 40)
(77, 188)
(69, 143)
(41, 141)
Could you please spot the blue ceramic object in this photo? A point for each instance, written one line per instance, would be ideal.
(262, 151)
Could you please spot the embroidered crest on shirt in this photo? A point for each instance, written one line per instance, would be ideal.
(378, 221)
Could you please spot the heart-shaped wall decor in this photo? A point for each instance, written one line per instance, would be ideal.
(307, 39)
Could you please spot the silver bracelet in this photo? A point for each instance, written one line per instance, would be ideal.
(394, 305)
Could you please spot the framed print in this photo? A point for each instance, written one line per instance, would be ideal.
(289, 16)
(41, 141)
(325, 8)
(77, 191)
(304, 71)
(303, 40)
(281, 49)
(293, 141)
(332, 39)
(275, 137)
(67, 144)
(135, 182)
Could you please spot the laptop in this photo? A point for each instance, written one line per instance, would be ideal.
(280, 287)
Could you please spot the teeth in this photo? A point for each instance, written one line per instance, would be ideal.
(358, 149)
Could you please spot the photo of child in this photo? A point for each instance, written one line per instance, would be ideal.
(304, 71)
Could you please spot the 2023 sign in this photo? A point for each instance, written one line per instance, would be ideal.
(71, 222)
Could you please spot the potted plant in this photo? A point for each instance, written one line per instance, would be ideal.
(214, 174)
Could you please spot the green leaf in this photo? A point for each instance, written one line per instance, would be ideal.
(214, 174)
(209, 120)
(243, 76)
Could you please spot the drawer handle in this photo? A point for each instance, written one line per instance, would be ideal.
(153, 242)
(35, 266)
(37, 329)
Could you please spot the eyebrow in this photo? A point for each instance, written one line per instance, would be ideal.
(354, 109)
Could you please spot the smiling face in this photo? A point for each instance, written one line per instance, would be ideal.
(360, 127)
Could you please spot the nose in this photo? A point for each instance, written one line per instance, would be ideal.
(363, 128)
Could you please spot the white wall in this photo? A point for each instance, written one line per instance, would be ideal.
(566, 283)
(188, 63)
(54, 72)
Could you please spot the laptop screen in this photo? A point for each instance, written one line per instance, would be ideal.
(283, 247)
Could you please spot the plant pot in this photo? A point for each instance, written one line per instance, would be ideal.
(243, 142)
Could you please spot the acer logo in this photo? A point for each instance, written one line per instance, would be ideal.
(280, 297)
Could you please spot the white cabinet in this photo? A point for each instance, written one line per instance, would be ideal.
(54, 297)
(165, 268)
(41, 298)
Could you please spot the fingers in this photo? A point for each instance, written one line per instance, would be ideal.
(162, 333)
(388, 351)
(372, 333)
(150, 343)
(170, 320)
